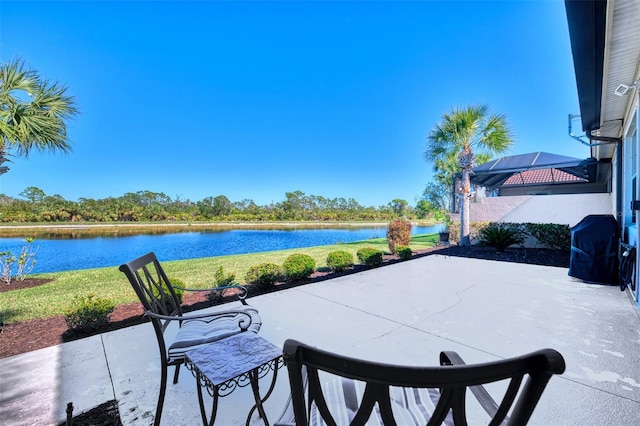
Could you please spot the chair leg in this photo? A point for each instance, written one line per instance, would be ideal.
(175, 375)
(163, 389)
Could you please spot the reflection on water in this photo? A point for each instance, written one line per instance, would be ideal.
(76, 251)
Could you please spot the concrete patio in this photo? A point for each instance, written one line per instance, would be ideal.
(403, 313)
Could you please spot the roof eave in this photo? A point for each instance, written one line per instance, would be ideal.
(587, 30)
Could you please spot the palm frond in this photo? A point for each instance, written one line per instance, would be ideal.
(15, 77)
(32, 112)
(470, 130)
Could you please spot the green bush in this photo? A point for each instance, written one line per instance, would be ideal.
(339, 260)
(398, 234)
(370, 256)
(264, 275)
(474, 230)
(298, 266)
(501, 235)
(443, 216)
(176, 282)
(550, 235)
(168, 304)
(222, 279)
(404, 252)
(88, 313)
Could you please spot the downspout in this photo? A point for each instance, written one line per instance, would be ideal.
(619, 189)
(602, 140)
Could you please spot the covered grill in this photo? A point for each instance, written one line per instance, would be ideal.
(594, 249)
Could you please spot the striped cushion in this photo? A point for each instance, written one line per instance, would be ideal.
(411, 406)
(199, 332)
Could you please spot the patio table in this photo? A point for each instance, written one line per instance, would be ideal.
(237, 361)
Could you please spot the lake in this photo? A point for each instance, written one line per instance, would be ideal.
(55, 255)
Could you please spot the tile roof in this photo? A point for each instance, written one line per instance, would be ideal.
(541, 176)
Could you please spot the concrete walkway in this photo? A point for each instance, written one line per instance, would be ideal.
(403, 313)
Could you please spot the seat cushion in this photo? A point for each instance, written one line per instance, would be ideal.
(198, 332)
(411, 406)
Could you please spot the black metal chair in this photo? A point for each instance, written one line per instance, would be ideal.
(331, 389)
(162, 306)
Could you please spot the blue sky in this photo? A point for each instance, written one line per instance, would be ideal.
(254, 99)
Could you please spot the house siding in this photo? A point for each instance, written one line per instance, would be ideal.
(630, 169)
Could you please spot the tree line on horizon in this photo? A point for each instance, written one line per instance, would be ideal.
(147, 206)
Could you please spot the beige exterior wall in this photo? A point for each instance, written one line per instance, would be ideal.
(566, 209)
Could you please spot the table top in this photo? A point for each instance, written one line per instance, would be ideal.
(233, 356)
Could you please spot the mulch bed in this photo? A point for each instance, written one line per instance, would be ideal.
(26, 283)
(545, 257)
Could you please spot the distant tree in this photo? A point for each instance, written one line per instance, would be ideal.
(246, 206)
(33, 113)
(33, 194)
(147, 198)
(205, 207)
(437, 194)
(398, 206)
(182, 209)
(296, 206)
(94, 210)
(55, 208)
(423, 208)
(465, 133)
(215, 206)
(221, 206)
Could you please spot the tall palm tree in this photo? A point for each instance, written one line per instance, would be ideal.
(32, 113)
(467, 134)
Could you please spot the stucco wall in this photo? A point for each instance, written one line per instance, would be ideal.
(493, 209)
(563, 209)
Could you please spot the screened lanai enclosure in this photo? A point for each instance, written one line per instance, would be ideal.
(542, 173)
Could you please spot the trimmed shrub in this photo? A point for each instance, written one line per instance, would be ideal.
(404, 252)
(501, 236)
(474, 230)
(264, 275)
(339, 260)
(222, 279)
(398, 234)
(298, 266)
(175, 283)
(168, 305)
(550, 235)
(370, 256)
(88, 312)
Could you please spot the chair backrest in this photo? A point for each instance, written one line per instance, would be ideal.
(380, 384)
(153, 288)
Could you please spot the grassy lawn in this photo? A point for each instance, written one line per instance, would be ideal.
(51, 299)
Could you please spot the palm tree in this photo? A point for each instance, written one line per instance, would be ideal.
(447, 169)
(32, 113)
(467, 134)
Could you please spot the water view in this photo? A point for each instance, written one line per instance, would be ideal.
(55, 255)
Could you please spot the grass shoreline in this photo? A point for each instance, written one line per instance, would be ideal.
(53, 298)
(36, 230)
